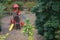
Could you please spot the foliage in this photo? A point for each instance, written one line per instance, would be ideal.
(30, 4)
(3, 37)
(47, 18)
(20, 3)
(2, 8)
(28, 29)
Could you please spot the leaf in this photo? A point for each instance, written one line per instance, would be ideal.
(56, 6)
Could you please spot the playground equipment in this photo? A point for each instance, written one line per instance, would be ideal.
(27, 29)
(17, 21)
(0, 28)
(11, 27)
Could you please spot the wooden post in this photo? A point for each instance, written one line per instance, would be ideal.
(0, 28)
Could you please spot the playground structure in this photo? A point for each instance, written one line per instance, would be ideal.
(16, 21)
(27, 29)
(12, 25)
(12, 31)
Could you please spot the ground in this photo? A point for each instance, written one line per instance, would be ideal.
(17, 34)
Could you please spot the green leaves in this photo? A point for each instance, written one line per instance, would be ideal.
(20, 3)
(39, 8)
(47, 18)
(2, 8)
(28, 29)
(56, 6)
(3, 37)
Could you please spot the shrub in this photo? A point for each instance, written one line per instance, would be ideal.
(48, 19)
(29, 5)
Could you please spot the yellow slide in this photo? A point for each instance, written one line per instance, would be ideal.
(11, 27)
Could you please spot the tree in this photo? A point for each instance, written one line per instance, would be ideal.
(47, 18)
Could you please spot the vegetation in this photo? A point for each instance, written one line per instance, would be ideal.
(29, 5)
(3, 37)
(48, 19)
(47, 16)
(28, 30)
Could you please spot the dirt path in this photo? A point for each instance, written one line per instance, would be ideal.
(16, 34)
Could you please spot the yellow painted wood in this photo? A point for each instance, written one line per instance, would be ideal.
(11, 27)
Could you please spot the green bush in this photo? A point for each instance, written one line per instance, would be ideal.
(20, 3)
(29, 5)
(2, 8)
(48, 18)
